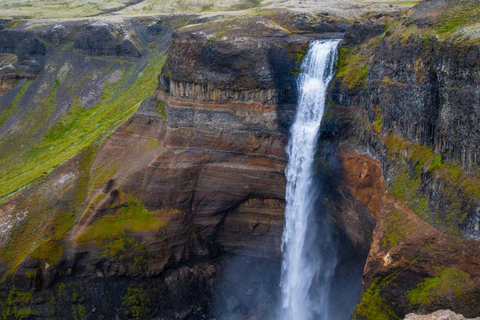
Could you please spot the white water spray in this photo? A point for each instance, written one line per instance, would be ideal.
(308, 250)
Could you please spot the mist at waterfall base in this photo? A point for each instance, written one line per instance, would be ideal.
(320, 275)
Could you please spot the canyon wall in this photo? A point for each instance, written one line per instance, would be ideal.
(152, 215)
(154, 195)
(401, 140)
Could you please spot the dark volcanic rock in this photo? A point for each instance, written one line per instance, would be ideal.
(57, 34)
(97, 40)
(31, 47)
(101, 39)
(363, 31)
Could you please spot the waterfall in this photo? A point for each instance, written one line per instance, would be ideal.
(309, 254)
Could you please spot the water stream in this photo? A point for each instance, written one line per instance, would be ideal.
(309, 252)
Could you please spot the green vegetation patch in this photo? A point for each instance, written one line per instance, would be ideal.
(444, 23)
(77, 129)
(416, 162)
(457, 15)
(16, 305)
(43, 232)
(378, 123)
(133, 216)
(136, 303)
(161, 110)
(396, 230)
(12, 108)
(373, 306)
(299, 55)
(352, 68)
(451, 283)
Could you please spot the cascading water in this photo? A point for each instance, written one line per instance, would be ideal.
(309, 254)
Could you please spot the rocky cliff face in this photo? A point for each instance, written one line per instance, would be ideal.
(162, 206)
(196, 174)
(403, 109)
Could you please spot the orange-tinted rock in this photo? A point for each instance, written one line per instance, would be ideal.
(405, 249)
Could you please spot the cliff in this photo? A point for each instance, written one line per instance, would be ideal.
(192, 176)
(143, 161)
(401, 140)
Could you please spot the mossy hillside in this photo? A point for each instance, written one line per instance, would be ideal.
(456, 15)
(118, 233)
(417, 165)
(47, 140)
(396, 230)
(375, 304)
(449, 21)
(41, 235)
(415, 168)
(12, 107)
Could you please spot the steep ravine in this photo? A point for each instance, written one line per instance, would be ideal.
(173, 208)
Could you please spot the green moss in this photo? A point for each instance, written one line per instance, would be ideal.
(121, 246)
(299, 55)
(451, 282)
(78, 306)
(436, 164)
(396, 230)
(411, 29)
(133, 216)
(418, 162)
(43, 232)
(127, 248)
(12, 108)
(377, 124)
(31, 274)
(16, 305)
(77, 129)
(457, 15)
(405, 186)
(352, 68)
(136, 303)
(100, 176)
(372, 305)
(161, 110)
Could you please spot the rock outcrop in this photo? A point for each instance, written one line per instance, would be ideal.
(438, 315)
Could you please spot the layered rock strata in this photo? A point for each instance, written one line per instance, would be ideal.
(196, 173)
